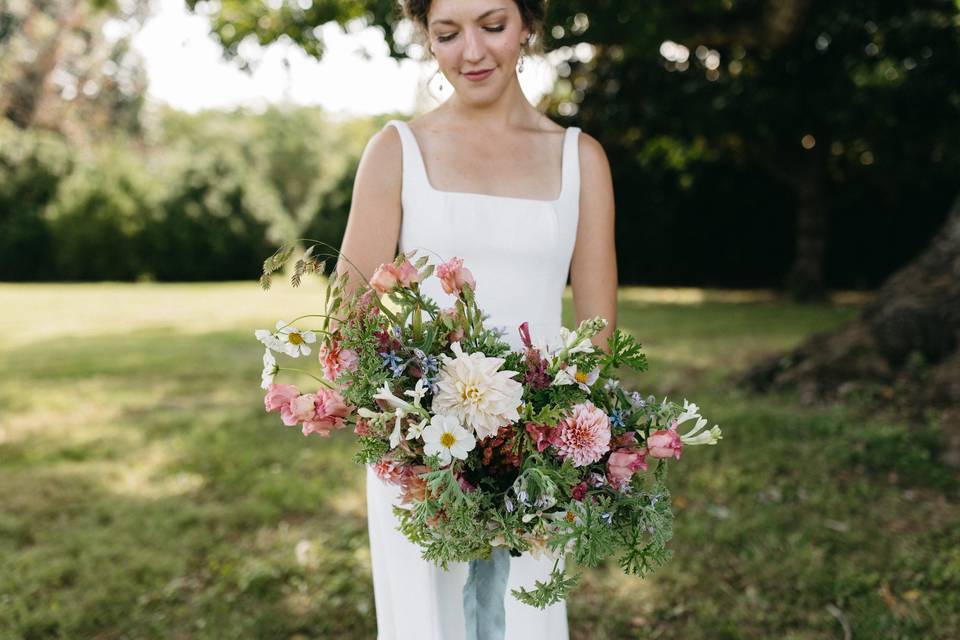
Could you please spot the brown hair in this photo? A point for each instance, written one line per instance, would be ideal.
(532, 12)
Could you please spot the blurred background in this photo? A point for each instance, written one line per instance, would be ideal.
(787, 180)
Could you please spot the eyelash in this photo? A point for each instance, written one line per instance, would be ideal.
(490, 29)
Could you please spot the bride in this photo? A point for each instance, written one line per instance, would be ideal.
(524, 202)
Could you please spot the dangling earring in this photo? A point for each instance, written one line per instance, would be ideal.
(522, 45)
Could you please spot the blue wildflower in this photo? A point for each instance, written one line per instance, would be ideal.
(616, 418)
(509, 503)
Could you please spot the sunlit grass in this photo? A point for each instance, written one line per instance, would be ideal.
(147, 494)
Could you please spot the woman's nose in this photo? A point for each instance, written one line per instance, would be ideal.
(473, 48)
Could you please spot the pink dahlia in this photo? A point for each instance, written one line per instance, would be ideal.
(584, 435)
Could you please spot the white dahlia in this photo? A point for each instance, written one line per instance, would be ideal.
(470, 387)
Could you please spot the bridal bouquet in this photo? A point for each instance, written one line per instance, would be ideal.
(495, 451)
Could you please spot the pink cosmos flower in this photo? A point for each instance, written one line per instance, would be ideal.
(278, 398)
(329, 411)
(336, 360)
(584, 435)
(665, 443)
(623, 463)
(453, 275)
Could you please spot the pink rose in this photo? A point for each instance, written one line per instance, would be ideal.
(384, 278)
(329, 411)
(278, 398)
(302, 407)
(665, 443)
(388, 275)
(407, 274)
(623, 463)
(453, 275)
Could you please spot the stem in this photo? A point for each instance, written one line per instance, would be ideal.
(325, 383)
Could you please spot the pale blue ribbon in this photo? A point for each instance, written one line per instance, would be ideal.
(483, 596)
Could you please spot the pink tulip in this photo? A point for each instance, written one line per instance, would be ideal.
(453, 276)
(665, 443)
(278, 398)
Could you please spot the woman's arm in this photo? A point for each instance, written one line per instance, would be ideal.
(373, 226)
(593, 268)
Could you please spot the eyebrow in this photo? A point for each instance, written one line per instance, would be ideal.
(480, 17)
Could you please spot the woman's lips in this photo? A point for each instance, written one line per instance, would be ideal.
(477, 76)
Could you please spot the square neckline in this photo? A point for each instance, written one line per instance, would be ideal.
(429, 185)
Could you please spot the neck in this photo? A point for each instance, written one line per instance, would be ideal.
(510, 110)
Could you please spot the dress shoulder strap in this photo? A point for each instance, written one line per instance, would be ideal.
(571, 165)
(414, 172)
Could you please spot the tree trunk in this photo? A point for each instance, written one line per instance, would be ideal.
(901, 349)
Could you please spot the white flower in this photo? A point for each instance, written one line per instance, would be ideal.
(570, 375)
(270, 340)
(387, 396)
(418, 392)
(395, 435)
(572, 342)
(416, 431)
(270, 369)
(294, 340)
(470, 387)
(611, 385)
(696, 435)
(445, 437)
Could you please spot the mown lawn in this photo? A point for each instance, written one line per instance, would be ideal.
(146, 494)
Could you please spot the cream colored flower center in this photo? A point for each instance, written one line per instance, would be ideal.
(471, 393)
(295, 338)
(447, 440)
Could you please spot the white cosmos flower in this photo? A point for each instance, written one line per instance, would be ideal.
(445, 437)
(270, 369)
(295, 341)
(270, 340)
(570, 375)
(470, 387)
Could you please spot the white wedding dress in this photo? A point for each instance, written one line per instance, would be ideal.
(519, 251)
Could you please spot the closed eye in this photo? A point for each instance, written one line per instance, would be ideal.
(446, 38)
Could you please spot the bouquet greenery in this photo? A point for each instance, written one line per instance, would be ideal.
(539, 450)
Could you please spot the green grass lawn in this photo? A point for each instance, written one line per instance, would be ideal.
(146, 493)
